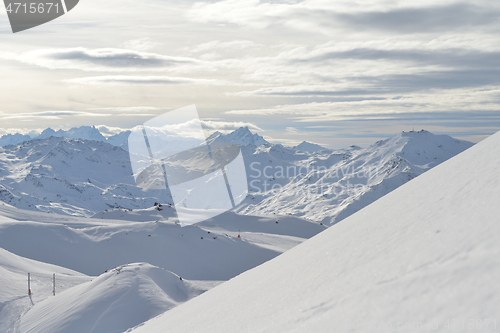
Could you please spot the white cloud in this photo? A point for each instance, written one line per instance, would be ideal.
(217, 45)
(53, 115)
(110, 130)
(187, 128)
(141, 44)
(326, 16)
(144, 80)
(99, 60)
(241, 12)
(451, 102)
(224, 126)
(132, 109)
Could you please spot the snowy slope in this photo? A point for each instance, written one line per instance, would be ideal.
(115, 301)
(425, 257)
(191, 252)
(14, 299)
(200, 252)
(206, 254)
(229, 221)
(138, 215)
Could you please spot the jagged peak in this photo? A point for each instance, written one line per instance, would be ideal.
(241, 136)
(309, 147)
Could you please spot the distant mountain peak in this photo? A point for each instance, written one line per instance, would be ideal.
(242, 136)
(309, 147)
(48, 132)
(421, 147)
(82, 132)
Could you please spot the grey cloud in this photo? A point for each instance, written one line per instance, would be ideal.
(106, 59)
(227, 126)
(118, 58)
(453, 57)
(479, 122)
(416, 20)
(389, 84)
(449, 58)
(328, 17)
(305, 91)
(453, 79)
(480, 116)
(146, 80)
(54, 115)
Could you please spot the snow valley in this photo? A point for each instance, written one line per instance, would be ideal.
(69, 206)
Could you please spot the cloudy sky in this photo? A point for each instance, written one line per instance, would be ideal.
(327, 71)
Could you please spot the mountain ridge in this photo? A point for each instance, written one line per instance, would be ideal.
(344, 180)
(242, 136)
(82, 177)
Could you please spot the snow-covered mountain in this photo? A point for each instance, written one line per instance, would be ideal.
(119, 140)
(328, 186)
(13, 278)
(82, 132)
(13, 139)
(241, 136)
(424, 258)
(309, 147)
(82, 178)
(110, 302)
(75, 177)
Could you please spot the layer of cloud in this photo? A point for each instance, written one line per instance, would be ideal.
(110, 130)
(99, 60)
(53, 115)
(142, 80)
(225, 126)
(457, 101)
(326, 16)
(132, 109)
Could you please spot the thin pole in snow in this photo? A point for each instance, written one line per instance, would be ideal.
(29, 285)
(54, 284)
